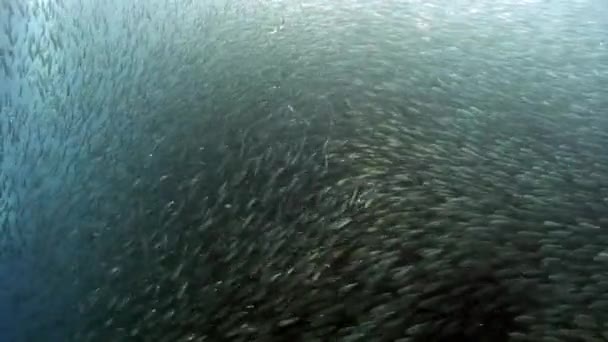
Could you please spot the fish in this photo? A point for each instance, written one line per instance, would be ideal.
(382, 171)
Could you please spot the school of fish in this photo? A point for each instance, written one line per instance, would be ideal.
(401, 170)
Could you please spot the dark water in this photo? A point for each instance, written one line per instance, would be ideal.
(126, 125)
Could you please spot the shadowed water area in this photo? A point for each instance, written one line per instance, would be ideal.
(403, 170)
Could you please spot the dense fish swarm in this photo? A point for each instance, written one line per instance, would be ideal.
(303, 171)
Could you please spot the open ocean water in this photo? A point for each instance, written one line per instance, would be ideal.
(273, 170)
